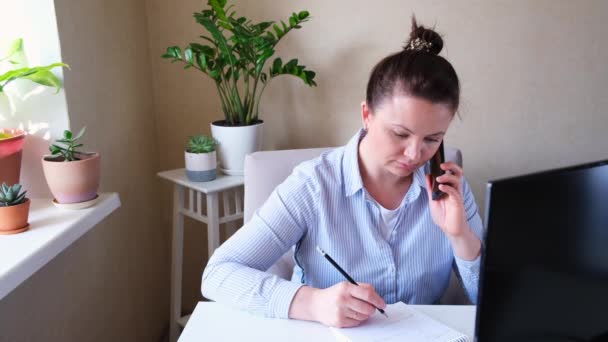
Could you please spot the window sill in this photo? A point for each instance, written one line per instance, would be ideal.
(51, 231)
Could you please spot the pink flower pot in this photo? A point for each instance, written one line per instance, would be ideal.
(74, 181)
(11, 150)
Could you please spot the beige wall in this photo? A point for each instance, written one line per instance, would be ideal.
(533, 74)
(112, 284)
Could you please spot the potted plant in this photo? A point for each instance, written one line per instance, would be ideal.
(72, 175)
(233, 55)
(14, 209)
(12, 139)
(201, 164)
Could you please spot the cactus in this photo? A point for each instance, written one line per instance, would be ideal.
(200, 144)
(9, 195)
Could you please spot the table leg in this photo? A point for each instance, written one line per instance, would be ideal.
(176, 262)
(213, 224)
(229, 197)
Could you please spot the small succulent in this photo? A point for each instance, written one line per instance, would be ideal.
(9, 195)
(68, 146)
(200, 144)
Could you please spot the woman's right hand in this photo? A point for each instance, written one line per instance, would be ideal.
(342, 305)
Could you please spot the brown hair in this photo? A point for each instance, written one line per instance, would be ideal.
(417, 70)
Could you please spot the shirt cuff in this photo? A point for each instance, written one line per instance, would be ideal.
(469, 269)
(282, 297)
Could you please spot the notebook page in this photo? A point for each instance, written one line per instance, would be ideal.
(403, 324)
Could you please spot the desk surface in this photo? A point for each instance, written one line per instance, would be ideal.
(214, 322)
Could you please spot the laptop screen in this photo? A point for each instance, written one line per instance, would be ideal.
(545, 260)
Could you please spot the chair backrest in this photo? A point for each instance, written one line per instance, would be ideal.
(265, 170)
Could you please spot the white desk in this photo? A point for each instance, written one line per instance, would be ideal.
(201, 195)
(214, 322)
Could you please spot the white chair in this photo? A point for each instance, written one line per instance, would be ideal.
(265, 170)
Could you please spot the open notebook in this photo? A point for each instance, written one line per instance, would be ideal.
(403, 324)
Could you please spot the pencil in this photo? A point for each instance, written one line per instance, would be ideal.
(349, 278)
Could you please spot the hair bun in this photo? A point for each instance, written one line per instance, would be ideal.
(423, 39)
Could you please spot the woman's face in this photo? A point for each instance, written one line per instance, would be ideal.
(405, 132)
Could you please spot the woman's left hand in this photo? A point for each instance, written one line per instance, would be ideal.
(448, 211)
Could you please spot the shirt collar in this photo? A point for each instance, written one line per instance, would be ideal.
(352, 175)
(350, 165)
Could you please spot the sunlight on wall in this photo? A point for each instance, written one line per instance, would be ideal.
(34, 108)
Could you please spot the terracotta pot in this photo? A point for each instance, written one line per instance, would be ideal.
(75, 181)
(13, 219)
(11, 150)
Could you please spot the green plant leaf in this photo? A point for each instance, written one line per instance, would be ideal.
(80, 133)
(276, 66)
(277, 30)
(263, 25)
(204, 49)
(291, 65)
(303, 15)
(215, 74)
(15, 74)
(222, 44)
(16, 188)
(188, 56)
(16, 46)
(201, 61)
(20, 199)
(309, 76)
(264, 56)
(67, 134)
(218, 8)
(54, 149)
(45, 78)
(175, 51)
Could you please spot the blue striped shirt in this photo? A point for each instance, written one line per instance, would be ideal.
(323, 202)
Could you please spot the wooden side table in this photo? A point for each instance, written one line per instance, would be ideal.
(231, 190)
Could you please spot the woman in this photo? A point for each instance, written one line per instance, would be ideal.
(367, 204)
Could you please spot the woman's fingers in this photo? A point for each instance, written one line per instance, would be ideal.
(450, 179)
(347, 321)
(449, 190)
(361, 308)
(365, 292)
(345, 304)
(453, 168)
(356, 315)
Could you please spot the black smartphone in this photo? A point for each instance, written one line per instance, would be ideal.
(436, 171)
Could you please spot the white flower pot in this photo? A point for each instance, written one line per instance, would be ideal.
(235, 142)
(201, 167)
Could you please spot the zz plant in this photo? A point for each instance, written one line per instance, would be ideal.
(11, 195)
(200, 144)
(234, 55)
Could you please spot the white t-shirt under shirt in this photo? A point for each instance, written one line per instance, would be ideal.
(388, 217)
